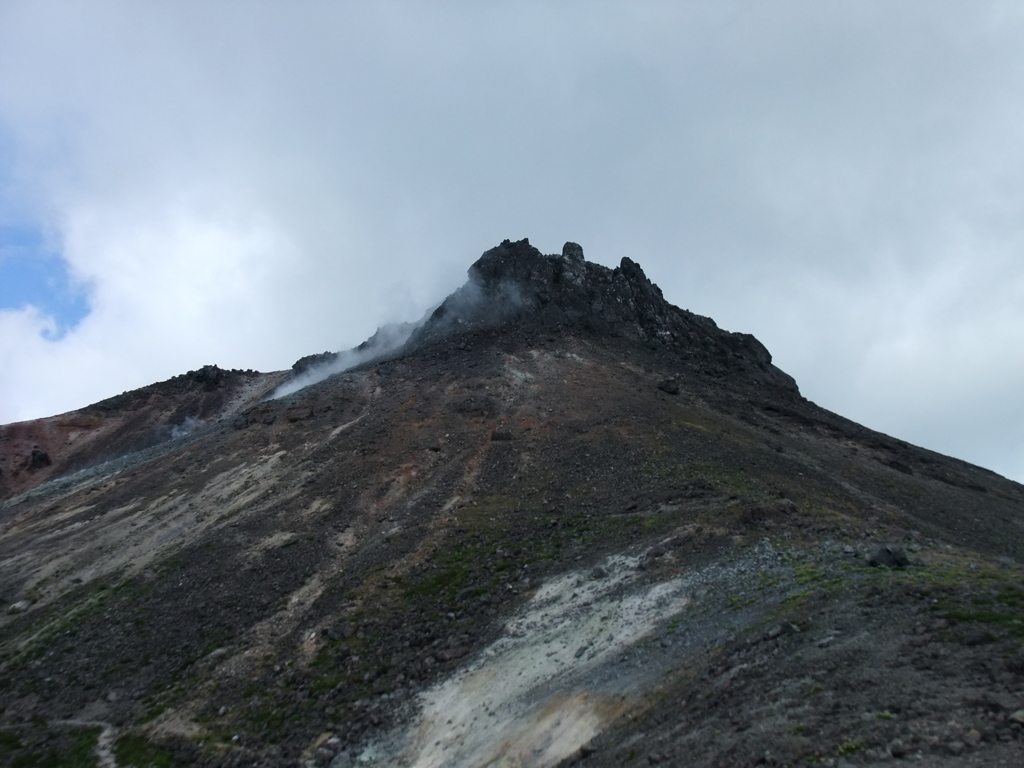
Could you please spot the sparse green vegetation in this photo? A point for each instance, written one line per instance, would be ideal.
(9, 740)
(850, 747)
(79, 753)
(807, 573)
(454, 570)
(965, 592)
(740, 601)
(1011, 622)
(270, 719)
(82, 753)
(132, 749)
(1004, 609)
(796, 599)
(767, 580)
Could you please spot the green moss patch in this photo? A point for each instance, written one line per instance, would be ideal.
(132, 749)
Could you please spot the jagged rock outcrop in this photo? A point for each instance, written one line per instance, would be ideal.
(309, 362)
(515, 284)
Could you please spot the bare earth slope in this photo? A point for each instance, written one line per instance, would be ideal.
(567, 522)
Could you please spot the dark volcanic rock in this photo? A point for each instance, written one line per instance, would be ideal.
(516, 283)
(888, 555)
(303, 364)
(670, 386)
(38, 459)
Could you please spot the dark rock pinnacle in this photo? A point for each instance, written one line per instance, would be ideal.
(515, 284)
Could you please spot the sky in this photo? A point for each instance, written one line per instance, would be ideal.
(246, 183)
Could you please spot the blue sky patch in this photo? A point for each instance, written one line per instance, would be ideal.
(32, 273)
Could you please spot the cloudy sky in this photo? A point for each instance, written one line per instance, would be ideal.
(244, 183)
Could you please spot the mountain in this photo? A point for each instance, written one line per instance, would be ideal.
(559, 521)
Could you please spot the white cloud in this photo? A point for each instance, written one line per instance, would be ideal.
(246, 183)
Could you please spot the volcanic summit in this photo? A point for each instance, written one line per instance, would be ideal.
(559, 521)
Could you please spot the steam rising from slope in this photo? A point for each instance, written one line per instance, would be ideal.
(316, 368)
(474, 305)
(470, 306)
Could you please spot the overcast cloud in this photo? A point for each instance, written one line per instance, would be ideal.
(247, 183)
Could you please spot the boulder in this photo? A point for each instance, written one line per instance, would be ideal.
(669, 386)
(38, 459)
(888, 555)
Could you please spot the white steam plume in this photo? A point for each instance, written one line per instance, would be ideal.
(387, 339)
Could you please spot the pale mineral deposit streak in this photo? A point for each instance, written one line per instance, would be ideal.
(525, 701)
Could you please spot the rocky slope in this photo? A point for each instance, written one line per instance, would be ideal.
(565, 522)
(31, 452)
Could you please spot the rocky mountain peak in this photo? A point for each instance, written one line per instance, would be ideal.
(514, 284)
(568, 524)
